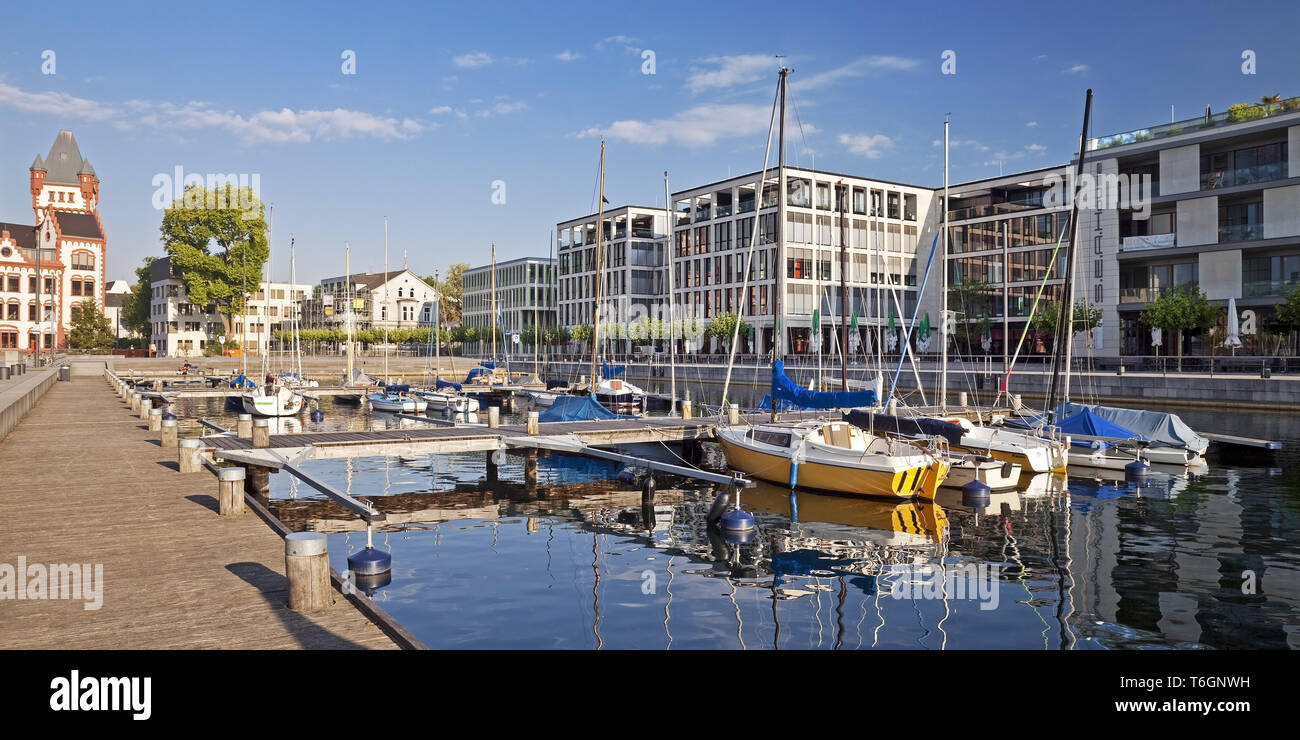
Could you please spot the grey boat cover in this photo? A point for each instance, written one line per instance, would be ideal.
(1163, 429)
(360, 380)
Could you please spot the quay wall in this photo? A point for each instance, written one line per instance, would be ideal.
(19, 394)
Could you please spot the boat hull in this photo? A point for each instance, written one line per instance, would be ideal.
(920, 481)
(998, 476)
(277, 405)
(403, 405)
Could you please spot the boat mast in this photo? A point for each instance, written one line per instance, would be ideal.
(672, 349)
(1065, 321)
(536, 289)
(493, 319)
(777, 329)
(844, 289)
(347, 302)
(386, 301)
(437, 330)
(297, 336)
(264, 311)
(943, 283)
(600, 234)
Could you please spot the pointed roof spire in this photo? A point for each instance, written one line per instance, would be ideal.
(86, 169)
(64, 159)
(37, 164)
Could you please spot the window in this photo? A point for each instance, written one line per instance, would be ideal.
(798, 268)
(13, 283)
(11, 311)
(909, 207)
(83, 260)
(1241, 221)
(893, 205)
(8, 339)
(76, 287)
(767, 228)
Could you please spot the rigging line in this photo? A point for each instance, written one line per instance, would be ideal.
(1033, 310)
(759, 189)
(907, 338)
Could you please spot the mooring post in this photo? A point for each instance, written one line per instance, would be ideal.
(530, 469)
(257, 481)
(491, 467)
(155, 419)
(230, 491)
(261, 433)
(961, 399)
(145, 407)
(733, 414)
(134, 401)
(244, 427)
(686, 409)
(533, 422)
(190, 455)
(167, 433)
(494, 417)
(307, 569)
(1015, 401)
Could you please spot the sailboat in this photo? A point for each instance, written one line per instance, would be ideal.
(272, 399)
(445, 394)
(393, 398)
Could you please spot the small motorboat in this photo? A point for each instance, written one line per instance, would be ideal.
(538, 399)
(272, 400)
(618, 396)
(397, 402)
(442, 400)
(294, 380)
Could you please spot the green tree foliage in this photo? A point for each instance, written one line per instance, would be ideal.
(580, 333)
(90, 327)
(217, 247)
(136, 304)
(1289, 311)
(1086, 316)
(1185, 308)
(558, 335)
(723, 326)
(451, 288)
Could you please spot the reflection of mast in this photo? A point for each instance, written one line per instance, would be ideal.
(595, 593)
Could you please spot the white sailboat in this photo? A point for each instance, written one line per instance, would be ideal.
(443, 395)
(272, 399)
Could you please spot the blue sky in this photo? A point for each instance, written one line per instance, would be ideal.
(449, 98)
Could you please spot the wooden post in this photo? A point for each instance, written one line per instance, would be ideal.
(230, 491)
(135, 401)
(155, 419)
(244, 428)
(491, 467)
(733, 414)
(145, 407)
(190, 455)
(257, 481)
(961, 399)
(494, 417)
(686, 409)
(261, 433)
(533, 422)
(307, 569)
(167, 432)
(530, 470)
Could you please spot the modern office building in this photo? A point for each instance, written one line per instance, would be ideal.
(525, 297)
(184, 329)
(634, 265)
(1211, 202)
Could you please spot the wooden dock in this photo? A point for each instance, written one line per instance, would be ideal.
(86, 483)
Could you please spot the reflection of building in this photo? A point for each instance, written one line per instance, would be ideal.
(525, 293)
(183, 329)
(395, 300)
(72, 249)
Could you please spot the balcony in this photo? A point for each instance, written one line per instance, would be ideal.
(722, 211)
(1266, 288)
(1149, 241)
(1243, 176)
(1236, 114)
(1241, 233)
(746, 206)
(702, 214)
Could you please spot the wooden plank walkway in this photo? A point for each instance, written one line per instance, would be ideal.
(83, 481)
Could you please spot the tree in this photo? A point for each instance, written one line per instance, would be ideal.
(217, 247)
(1086, 317)
(1289, 312)
(1185, 308)
(451, 289)
(580, 333)
(90, 327)
(723, 326)
(136, 305)
(970, 299)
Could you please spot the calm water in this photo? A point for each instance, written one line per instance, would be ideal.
(1209, 560)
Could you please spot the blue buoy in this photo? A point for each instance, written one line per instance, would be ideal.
(370, 562)
(169, 415)
(794, 473)
(736, 520)
(372, 583)
(1137, 469)
(975, 494)
(317, 415)
(739, 537)
(794, 507)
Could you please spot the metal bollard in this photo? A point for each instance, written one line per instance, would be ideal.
(155, 419)
(1015, 401)
(733, 414)
(494, 417)
(168, 431)
(307, 569)
(190, 455)
(961, 399)
(244, 427)
(145, 407)
(261, 433)
(135, 401)
(533, 422)
(686, 409)
(230, 491)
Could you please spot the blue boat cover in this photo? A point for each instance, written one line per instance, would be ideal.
(474, 372)
(611, 372)
(783, 405)
(1087, 423)
(576, 408)
(489, 364)
(784, 389)
(1162, 428)
(901, 425)
(242, 382)
(439, 383)
(404, 388)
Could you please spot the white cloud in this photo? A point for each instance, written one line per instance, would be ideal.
(629, 43)
(730, 70)
(870, 146)
(54, 102)
(501, 108)
(1032, 124)
(472, 60)
(1036, 147)
(568, 56)
(856, 68)
(695, 127)
(962, 144)
(1078, 69)
(440, 109)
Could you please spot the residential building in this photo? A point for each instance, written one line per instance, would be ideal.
(525, 297)
(115, 294)
(395, 300)
(71, 254)
(184, 329)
